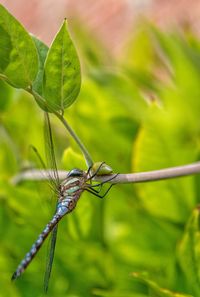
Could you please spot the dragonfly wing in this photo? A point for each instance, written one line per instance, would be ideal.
(49, 150)
(50, 258)
(51, 163)
(37, 158)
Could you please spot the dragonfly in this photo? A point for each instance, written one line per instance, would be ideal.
(68, 193)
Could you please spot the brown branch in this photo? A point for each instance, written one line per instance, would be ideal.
(167, 173)
(156, 175)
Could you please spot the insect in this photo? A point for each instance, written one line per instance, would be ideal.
(68, 193)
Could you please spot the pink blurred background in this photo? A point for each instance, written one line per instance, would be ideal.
(110, 20)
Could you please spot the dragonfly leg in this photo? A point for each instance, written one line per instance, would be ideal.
(102, 183)
(94, 190)
(95, 193)
(109, 179)
(94, 174)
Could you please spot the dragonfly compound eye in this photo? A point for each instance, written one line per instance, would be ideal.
(75, 172)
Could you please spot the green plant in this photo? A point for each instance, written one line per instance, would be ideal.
(51, 76)
(143, 240)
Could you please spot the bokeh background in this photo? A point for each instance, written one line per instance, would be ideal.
(112, 21)
(138, 110)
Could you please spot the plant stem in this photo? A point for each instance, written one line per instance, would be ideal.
(77, 139)
(155, 175)
(82, 147)
(3, 77)
(140, 177)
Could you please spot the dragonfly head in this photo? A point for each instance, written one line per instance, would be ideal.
(75, 173)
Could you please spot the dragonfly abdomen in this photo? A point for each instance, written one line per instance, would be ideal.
(64, 206)
(36, 246)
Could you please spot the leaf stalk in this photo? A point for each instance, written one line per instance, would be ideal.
(60, 116)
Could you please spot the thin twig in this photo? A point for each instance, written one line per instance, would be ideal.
(167, 173)
(85, 152)
(37, 175)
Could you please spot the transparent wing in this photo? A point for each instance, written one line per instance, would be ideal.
(51, 163)
(49, 151)
(50, 258)
(40, 163)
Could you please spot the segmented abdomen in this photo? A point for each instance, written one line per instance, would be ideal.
(36, 246)
(65, 205)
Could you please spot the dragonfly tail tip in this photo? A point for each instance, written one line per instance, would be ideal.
(14, 276)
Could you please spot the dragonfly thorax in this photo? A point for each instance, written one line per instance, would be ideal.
(69, 186)
(70, 191)
(74, 184)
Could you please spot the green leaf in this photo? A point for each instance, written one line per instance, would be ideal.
(189, 252)
(71, 159)
(161, 143)
(5, 95)
(18, 55)
(154, 289)
(62, 78)
(42, 50)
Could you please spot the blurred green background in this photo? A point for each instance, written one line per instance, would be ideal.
(137, 112)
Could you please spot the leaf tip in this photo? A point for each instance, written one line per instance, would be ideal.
(65, 22)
